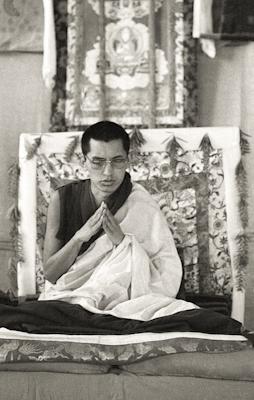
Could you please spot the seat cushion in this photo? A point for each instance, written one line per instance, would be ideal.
(237, 365)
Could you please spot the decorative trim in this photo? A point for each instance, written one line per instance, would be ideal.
(242, 239)
(244, 143)
(32, 150)
(13, 179)
(136, 138)
(70, 149)
(136, 142)
(172, 147)
(241, 261)
(242, 183)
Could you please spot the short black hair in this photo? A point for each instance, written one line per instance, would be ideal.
(104, 131)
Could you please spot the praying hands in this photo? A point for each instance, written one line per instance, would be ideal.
(102, 218)
(112, 228)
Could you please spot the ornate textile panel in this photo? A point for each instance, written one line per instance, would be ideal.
(57, 120)
(191, 195)
(126, 96)
(39, 350)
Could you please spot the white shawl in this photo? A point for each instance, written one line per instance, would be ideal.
(139, 279)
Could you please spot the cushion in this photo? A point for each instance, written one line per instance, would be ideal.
(66, 367)
(237, 365)
(21, 347)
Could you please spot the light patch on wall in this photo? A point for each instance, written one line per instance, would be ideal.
(21, 25)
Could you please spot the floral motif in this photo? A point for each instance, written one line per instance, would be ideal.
(42, 350)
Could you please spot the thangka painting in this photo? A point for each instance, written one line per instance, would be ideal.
(21, 25)
(130, 61)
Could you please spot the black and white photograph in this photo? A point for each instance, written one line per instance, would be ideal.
(126, 200)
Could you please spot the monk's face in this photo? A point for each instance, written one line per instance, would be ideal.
(106, 177)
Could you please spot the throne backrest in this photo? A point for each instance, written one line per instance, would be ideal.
(192, 174)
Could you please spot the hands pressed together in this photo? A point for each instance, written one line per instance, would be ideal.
(102, 218)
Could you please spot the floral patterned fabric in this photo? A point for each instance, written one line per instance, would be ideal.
(22, 350)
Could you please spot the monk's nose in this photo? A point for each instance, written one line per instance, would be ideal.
(108, 169)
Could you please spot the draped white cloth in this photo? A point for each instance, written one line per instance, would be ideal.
(138, 279)
(49, 45)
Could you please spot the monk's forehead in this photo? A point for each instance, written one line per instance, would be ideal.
(110, 149)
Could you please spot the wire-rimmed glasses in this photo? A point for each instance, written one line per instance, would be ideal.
(100, 163)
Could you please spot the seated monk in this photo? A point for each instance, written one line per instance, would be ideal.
(110, 261)
(108, 246)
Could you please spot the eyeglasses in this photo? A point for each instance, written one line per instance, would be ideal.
(100, 163)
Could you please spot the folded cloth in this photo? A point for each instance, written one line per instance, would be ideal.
(222, 304)
(62, 317)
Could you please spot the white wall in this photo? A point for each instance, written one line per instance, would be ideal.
(24, 107)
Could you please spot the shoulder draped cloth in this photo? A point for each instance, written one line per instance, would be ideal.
(140, 278)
